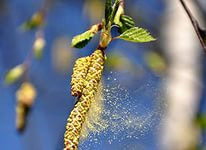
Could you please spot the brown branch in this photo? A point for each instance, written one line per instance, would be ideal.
(194, 24)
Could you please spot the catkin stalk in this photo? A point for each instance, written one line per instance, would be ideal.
(78, 114)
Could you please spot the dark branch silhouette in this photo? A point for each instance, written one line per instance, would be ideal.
(200, 32)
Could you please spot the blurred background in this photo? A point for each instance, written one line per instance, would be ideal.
(153, 93)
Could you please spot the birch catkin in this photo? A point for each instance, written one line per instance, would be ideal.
(78, 114)
(25, 98)
(80, 70)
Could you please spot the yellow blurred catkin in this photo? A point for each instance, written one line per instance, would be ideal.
(80, 70)
(25, 97)
(78, 114)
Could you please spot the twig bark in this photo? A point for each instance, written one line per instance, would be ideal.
(194, 24)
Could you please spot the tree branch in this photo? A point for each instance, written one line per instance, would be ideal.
(195, 24)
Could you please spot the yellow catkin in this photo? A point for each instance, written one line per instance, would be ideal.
(80, 70)
(21, 114)
(78, 114)
(25, 97)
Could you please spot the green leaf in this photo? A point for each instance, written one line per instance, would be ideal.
(82, 40)
(125, 23)
(36, 21)
(127, 20)
(108, 10)
(14, 74)
(116, 12)
(135, 34)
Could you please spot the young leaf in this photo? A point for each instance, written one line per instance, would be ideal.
(108, 10)
(38, 47)
(125, 23)
(14, 74)
(83, 39)
(36, 21)
(135, 34)
(127, 20)
(116, 11)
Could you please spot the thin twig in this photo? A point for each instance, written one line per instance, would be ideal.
(28, 60)
(45, 7)
(194, 23)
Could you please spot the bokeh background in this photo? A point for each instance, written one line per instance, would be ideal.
(134, 75)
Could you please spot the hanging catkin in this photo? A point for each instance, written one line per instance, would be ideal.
(78, 114)
(25, 97)
(80, 70)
